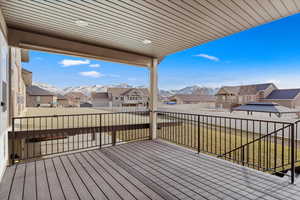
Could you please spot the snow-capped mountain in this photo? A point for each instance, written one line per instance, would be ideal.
(195, 89)
(49, 87)
(87, 90)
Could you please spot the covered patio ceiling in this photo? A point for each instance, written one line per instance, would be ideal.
(133, 31)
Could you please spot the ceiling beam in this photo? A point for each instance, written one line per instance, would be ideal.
(35, 41)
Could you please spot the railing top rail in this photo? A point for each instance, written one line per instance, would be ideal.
(64, 115)
(224, 117)
(260, 138)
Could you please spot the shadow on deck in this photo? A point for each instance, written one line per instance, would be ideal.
(140, 170)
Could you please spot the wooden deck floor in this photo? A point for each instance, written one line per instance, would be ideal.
(140, 170)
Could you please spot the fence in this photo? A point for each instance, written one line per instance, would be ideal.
(38, 136)
(260, 144)
(270, 146)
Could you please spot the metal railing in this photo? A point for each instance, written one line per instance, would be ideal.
(39, 136)
(261, 144)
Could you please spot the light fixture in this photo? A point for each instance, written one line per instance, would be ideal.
(147, 41)
(81, 23)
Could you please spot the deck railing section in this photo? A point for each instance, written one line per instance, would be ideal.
(260, 144)
(39, 136)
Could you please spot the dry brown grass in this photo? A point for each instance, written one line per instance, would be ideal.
(263, 154)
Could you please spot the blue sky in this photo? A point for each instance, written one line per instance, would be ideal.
(268, 53)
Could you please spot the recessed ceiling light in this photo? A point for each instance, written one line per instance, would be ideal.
(147, 41)
(81, 23)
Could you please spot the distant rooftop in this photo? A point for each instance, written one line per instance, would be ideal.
(37, 91)
(100, 95)
(246, 89)
(265, 107)
(284, 94)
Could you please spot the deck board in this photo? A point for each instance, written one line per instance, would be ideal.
(30, 181)
(6, 183)
(66, 183)
(43, 191)
(140, 170)
(17, 185)
(98, 179)
(54, 184)
(92, 187)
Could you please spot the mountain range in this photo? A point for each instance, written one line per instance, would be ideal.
(87, 90)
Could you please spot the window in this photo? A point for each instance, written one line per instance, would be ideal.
(38, 98)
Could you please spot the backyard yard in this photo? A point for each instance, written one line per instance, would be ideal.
(216, 137)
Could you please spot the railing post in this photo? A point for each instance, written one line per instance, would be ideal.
(293, 154)
(13, 142)
(100, 130)
(198, 134)
(243, 155)
(114, 133)
(153, 98)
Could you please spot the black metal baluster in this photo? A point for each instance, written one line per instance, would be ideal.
(292, 153)
(275, 144)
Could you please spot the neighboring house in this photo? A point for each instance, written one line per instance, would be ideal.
(75, 98)
(101, 99)
(285, 97)
(123, 97)
(19, 79)
(62, 101)
(231, 96)
(191, 99)
(37, 97)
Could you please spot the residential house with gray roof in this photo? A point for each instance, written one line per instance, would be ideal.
(101, 99)
(285, 97)
(232, 96)
(121, 97)
(38, 97)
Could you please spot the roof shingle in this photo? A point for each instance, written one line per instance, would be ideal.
(37, 91)
(284, 94)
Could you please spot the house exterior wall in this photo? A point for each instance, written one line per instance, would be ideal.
(101, 102)
(35, 101)
(63, 103)
(130, 99)
(27, 77)
(226, 101)
(297, 101)
(4, 88)
(269, 90)
(18, 88)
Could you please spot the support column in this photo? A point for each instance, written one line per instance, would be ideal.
(153, 98)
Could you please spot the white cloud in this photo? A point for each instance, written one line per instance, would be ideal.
(94, 65)
(93, 74)
(213, 58)
(69, 62)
